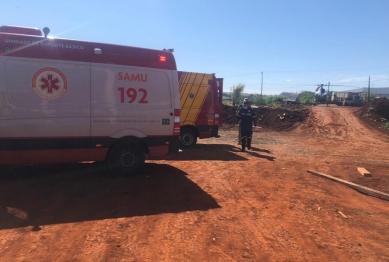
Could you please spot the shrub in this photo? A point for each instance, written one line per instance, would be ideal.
(368, 112)
(386, 123)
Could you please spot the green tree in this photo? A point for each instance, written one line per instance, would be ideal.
(307, 97)
(272, 100)
(237, 93)
(257, 99)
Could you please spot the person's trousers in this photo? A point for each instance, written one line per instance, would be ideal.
(246, 135)
(239, 135)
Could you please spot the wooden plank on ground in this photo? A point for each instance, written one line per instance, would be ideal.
(359, 188)
(363, 171)
(343, 215)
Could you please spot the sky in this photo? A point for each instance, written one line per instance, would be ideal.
(296, 44)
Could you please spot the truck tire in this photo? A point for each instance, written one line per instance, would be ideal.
(126, 159)
(188, 138)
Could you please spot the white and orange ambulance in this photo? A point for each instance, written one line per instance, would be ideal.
(64, 100)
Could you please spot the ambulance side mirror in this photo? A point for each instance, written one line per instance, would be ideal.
(46, 31)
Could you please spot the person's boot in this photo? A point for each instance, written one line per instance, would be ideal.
(243, 144)
(249, 143)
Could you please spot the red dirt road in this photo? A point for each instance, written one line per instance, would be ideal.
(210, 203)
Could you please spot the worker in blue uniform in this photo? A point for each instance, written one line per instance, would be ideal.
(237, 111)
(246, 117)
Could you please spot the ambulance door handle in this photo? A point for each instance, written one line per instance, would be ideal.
(171, 114)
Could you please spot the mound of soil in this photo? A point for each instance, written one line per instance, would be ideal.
(373, 112)
(277, 119)
(379, 108)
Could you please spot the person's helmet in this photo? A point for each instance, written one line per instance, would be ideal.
(245, 100)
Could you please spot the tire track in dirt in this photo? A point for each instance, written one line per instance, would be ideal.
(342, 131)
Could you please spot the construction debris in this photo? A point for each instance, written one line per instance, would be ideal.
(359, 188)
(274, 118)
(363, 172)
(343, 215)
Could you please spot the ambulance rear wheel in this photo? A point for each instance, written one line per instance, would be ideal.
(126, 159)
(188, 138)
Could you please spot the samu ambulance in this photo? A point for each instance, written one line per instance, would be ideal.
(64, 100)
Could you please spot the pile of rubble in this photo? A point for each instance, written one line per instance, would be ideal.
(274, 118)
(377, 109)
(376, 114)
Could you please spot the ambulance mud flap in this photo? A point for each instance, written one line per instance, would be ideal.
(126, 159)
(174, 146)
(215, 131)
(208, 131)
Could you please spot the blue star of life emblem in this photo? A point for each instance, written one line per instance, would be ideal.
(191, 95)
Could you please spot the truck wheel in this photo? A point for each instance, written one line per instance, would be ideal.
(188, 138)
(126, 159)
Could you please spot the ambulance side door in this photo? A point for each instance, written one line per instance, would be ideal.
(47, 99)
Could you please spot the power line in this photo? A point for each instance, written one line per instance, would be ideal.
(367, 80)
(327, 70)
(313, 84)
(280, 85)
(299, 71)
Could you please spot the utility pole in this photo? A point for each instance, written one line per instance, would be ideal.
(368, 91)
(261, 86)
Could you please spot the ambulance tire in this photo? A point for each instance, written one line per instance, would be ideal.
(188, 138)
(126, 159)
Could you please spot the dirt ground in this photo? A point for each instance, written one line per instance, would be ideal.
(210, 203)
